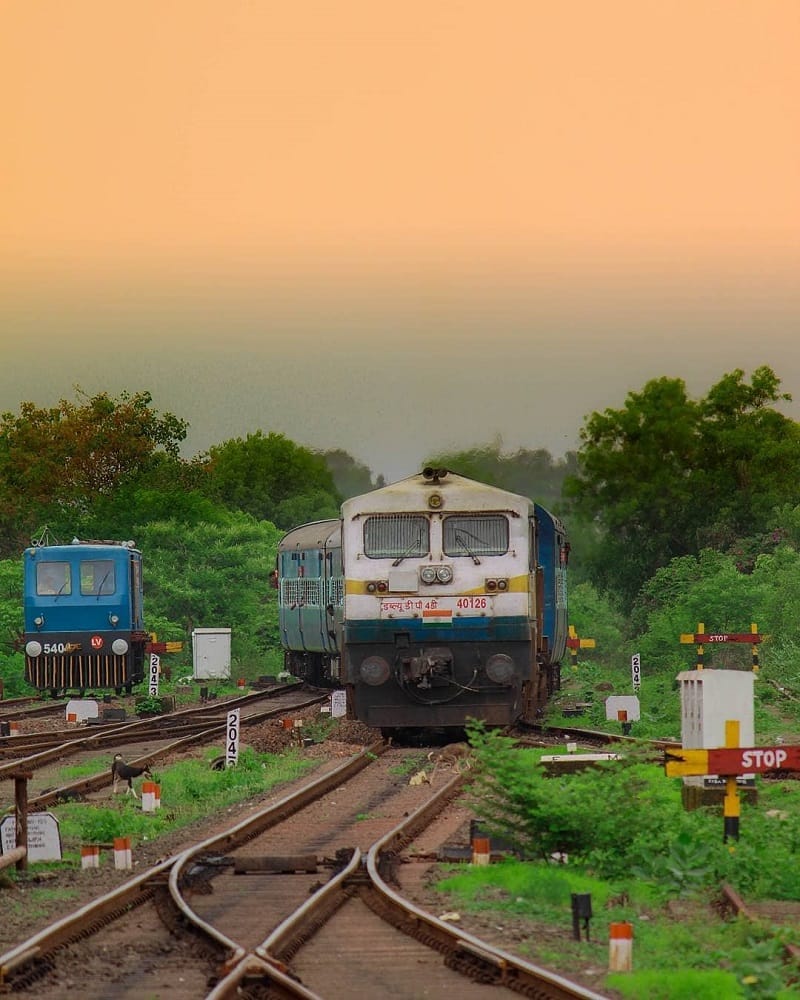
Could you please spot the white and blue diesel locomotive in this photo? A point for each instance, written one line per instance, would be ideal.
(454, 604)
(83, 616)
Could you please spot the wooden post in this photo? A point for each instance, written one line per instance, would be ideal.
(731, 806)
(21, 779)
(12, 857)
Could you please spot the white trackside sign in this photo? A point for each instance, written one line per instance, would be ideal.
(232, 738)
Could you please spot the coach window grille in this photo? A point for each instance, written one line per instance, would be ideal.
(302, 591)
(336, 591)
(475, 535)
(396, 536)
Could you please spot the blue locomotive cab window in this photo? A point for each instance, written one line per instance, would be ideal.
(97, 577)
(396, 536)
(53, 578)
(475, 535)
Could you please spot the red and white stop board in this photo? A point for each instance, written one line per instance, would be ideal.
(753, 760)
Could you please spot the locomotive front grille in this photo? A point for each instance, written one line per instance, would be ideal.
(105, 670)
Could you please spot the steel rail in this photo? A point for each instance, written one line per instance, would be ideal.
(82, 922)
(96, 782)
(188, 714)
(287, 938)
(90, 917)
(511, 971)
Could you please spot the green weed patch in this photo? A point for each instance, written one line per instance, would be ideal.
(189, 791)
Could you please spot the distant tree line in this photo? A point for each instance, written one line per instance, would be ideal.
(657, 482)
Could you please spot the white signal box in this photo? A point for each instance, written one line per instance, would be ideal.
(710, 698)
(211, 653)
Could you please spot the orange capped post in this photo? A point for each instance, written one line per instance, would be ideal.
(620, 947)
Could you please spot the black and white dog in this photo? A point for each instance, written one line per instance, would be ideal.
(120, 771)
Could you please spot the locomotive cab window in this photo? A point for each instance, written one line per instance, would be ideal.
(53, 578)
(475, 535)
(396, 536)
(97, 577)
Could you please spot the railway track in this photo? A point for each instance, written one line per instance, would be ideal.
(161, 726)
(216, 948)
(173, 736)
(20, 709)
(255, 909)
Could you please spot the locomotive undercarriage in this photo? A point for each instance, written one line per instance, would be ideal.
(316, 669)
(444, 684)
(60, 673)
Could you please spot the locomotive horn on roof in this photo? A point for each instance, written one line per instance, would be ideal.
(434, 475)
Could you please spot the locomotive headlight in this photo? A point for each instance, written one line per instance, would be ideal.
(428, 574)
(38, 621)
(444, 574)
(33, 648)
(374, 670)
(114, 619)
(119, 646)
(500, 669)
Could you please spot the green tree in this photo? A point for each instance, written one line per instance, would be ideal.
(260, 473)
(56, 463)
(168, 490)
(534, 474)
(350, 477)
(667, 476)
(213, 575)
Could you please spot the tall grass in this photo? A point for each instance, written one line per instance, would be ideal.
(190, 790)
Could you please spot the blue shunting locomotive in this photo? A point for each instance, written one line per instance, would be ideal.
(431, 600)
(83, 611)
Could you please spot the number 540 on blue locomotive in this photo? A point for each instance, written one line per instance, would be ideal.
(83, 612)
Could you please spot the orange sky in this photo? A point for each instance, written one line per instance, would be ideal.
(444, 159)
(188, 128)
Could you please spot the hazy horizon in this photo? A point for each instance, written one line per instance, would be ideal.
(397, 231)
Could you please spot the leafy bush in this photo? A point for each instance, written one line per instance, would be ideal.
(599, 815)
(626, 818)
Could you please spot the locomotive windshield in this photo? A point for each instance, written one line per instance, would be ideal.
(475, 535)
(97, 577)
(395, 536)
(53, 578)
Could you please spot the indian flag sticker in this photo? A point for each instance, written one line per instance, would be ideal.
(437, 616)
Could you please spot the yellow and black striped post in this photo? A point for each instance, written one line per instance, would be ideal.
(731, 808)
(754, 647)
(700, 651)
